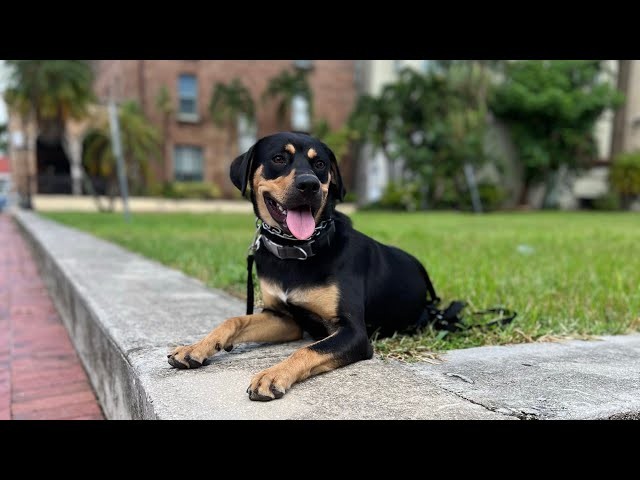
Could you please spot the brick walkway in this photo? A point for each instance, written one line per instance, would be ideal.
(40, 374)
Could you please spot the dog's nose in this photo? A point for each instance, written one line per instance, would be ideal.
(308, 184)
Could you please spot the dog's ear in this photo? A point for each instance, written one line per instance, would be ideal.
(337, 187)
(241, 170)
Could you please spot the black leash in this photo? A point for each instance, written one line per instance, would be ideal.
(250, 284)
(449, 318)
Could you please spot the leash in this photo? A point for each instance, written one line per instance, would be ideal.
(449, 318)
(255, 245)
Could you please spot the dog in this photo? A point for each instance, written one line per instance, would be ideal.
(317, 273)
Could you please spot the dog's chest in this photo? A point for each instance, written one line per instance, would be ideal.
(321, 300)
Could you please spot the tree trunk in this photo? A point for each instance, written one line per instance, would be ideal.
(26, 201)
(75, 150)
(619, 119)
(228, 192)
(165, 148)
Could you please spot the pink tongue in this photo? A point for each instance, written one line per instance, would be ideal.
(301, 223)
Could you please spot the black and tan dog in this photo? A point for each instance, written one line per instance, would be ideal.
(317, 274)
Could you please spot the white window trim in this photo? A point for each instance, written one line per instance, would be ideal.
(176, 148)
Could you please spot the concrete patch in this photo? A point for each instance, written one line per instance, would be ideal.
(565, 380)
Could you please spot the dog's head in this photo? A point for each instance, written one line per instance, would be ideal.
(293, 179)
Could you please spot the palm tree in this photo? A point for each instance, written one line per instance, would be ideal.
(228, 103)
(285, 87)
(51, 92)
(165, 106)
(140, 142)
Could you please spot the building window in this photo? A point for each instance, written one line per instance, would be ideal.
(300, 118)
(188, 97)
(187, 164)
(303, 64)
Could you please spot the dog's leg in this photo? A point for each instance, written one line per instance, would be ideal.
(348, 344)
(267, 326)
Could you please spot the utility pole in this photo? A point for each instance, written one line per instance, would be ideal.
(116, 145)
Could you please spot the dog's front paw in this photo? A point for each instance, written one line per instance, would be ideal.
(186, 357)
(268, 385)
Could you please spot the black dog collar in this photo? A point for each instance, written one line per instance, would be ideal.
(303, 250)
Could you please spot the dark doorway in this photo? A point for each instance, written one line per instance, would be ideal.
(53, 167)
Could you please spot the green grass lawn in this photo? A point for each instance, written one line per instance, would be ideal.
(566, 274)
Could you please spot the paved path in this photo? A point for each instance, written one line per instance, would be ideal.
(40, 374)
(84, 203)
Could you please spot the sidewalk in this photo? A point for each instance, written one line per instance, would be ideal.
(85, 203)
(41, 376)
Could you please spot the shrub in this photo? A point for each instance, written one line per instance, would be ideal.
(398, 196)
(492, 196)
(609, 201)
(201, 190)
(624, 176)
(350, 197)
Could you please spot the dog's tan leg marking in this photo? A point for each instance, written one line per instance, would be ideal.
(273, 382)
(259, 327)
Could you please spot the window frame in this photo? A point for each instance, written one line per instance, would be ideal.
(183, 175)
(188, 116)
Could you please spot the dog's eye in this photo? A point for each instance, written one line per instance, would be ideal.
(319, 164)
(279, 159)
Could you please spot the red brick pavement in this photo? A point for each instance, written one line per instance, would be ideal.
(41, 376)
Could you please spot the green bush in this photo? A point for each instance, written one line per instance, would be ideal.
(350, 197)
(624, 176)
(609, 201)
(200, 190)
(492, 196)
(399, 196)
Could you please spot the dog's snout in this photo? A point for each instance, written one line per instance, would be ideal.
(307, 184)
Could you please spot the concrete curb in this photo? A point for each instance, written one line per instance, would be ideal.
(124, 312)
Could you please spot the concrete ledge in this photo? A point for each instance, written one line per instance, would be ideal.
(124, 312)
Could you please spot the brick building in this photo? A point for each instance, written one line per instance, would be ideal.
(196, 149)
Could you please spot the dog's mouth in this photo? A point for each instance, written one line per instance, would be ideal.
(298, 221)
